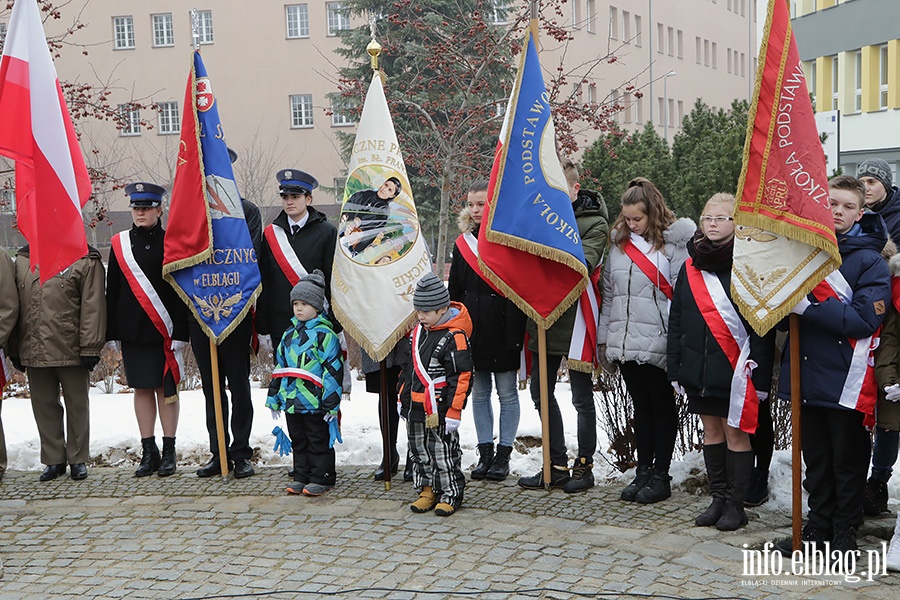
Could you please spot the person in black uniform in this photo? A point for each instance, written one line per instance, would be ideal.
(312, 240)
(143, 344)
(234, 366)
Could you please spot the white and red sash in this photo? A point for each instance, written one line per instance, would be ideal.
(727, 328)
(860, 391)
(284, 254)
(583, 347)
(153, 305)
(652, 263)
(431, 384)
(298, 373)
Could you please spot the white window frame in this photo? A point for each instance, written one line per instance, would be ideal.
(163, 30)
(336, 18)
(835, 88)
(296, 17)
(626, 27)
(613, 20)
(500, 12)
(301, 111)
(638, 40)
(340, 116)
(7, 197)
(123, 32)
(592, 95)
(670, 39)
(715, 53)
(679, 44)
(168, 118)
(857, 74)
(699, 49)
(133, 117)
(660, 38)
(205, 21)
(883, 77)
(639, 110)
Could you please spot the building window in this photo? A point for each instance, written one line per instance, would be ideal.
(883, 77)
(613, 20)
(671, 32)
(338, 18)
(715, 51)
(639, 110)
(637, 31)
(706, 53)
(500, 12)
(660, 37)
(680, 38)
(297, 18)
(680, 114)
(163, 32)
(123, 30)
(812, 81)
(340, 183)
(7, 197)
(168, 118)
(204, 18)
(2, 32)
(728, 60)
(835, 94)
(301, 111)
(575, 11)
(131, 120)
(592, 95)
(627, 101)
(340, 115)
(614, 95)
(743, 65)
(626, 27)
(857, 62)
(699, 50)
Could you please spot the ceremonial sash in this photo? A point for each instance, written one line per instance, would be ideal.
(298, 373)
(284, 254)
(582, 354)
(153, 306)
(431, 384)
(639, 251)
(4, 373)
(860, 389)
(727, 328)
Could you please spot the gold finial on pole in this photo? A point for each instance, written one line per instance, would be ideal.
(374, 49)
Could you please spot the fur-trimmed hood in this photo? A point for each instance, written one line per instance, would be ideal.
(465, 221)
(894, 265)
(680, 231)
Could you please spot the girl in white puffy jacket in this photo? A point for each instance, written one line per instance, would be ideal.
(647, 249)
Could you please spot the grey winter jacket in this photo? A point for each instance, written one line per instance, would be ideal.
(635, 314)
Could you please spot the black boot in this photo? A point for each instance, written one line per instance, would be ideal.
(657, 489)
(167, 464)
(149, 457)
(408, 469)
(582, 478)
(500, 467)
(714, 456)
(642, 477)
(485, 458)
(395, 466)
(739, 466)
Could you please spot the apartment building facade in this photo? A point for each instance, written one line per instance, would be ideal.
(273, 68)
(851, 54)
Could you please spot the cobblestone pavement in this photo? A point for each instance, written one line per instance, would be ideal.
(115, 536)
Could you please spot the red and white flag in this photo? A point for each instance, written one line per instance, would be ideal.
(36, 131)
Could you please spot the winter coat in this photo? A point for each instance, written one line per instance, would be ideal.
(634, 320)
(9, 298)
(887, 358)
(65, 318)
(889, 209)
(314, 347)
(127, 320)
(695, 358)
(253, 218)
(314, 244)
(445, 349)
(825, 327)
(498, 326)
(592, 219)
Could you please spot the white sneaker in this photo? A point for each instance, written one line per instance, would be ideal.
(892, 560)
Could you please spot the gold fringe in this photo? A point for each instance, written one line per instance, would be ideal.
(380, 352)
(432, 421)
(206, 330)
(172, 399)
(580, 365)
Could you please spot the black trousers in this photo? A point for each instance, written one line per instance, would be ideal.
(763, 441)
(234, 366)
(655, 414)
(836, 449)
(313, 459)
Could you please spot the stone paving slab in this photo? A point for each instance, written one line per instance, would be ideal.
(116, 536)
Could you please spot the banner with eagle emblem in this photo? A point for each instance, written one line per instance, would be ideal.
(209, 257)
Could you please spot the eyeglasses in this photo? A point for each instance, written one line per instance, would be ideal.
(707, 219)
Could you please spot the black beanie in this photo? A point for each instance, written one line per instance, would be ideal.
(311, 289)
(431, 293)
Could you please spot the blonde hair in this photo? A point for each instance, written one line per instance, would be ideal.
(659, 216)
(719, 198)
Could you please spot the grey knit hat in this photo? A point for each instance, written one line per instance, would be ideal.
(310, 289)
(879, 169)
(431, 293)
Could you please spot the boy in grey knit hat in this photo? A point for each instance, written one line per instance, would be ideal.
(307, 386)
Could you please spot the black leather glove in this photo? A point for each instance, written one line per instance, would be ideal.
(89, 362)
(17, 363)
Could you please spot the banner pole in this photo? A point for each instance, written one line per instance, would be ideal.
(217, 402)
(387, 460)
(545, 416)
(796, 497)
(535, 26)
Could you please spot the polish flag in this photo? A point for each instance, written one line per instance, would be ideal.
(52, 182)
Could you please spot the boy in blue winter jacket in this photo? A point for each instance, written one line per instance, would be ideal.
(306, 385)
(839, 325)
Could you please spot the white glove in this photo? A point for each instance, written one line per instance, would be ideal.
(178, 345)
(276, 414)
(451, 425)
(761, 395)
(329, 417)
(801, 306)
(892, 393)
(677, 387)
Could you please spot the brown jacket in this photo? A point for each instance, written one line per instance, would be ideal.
(9, 298)
(63, 320)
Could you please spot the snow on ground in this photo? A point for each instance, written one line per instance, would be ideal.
(115, 440)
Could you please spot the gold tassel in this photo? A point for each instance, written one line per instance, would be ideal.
(432, 421)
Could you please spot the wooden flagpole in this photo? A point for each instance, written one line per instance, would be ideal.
(545, 416)
(796, 497)
(217, 402)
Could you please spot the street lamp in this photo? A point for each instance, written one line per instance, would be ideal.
(666, 104)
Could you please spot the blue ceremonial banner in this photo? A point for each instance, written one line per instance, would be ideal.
(209, 257)
(530, 247)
